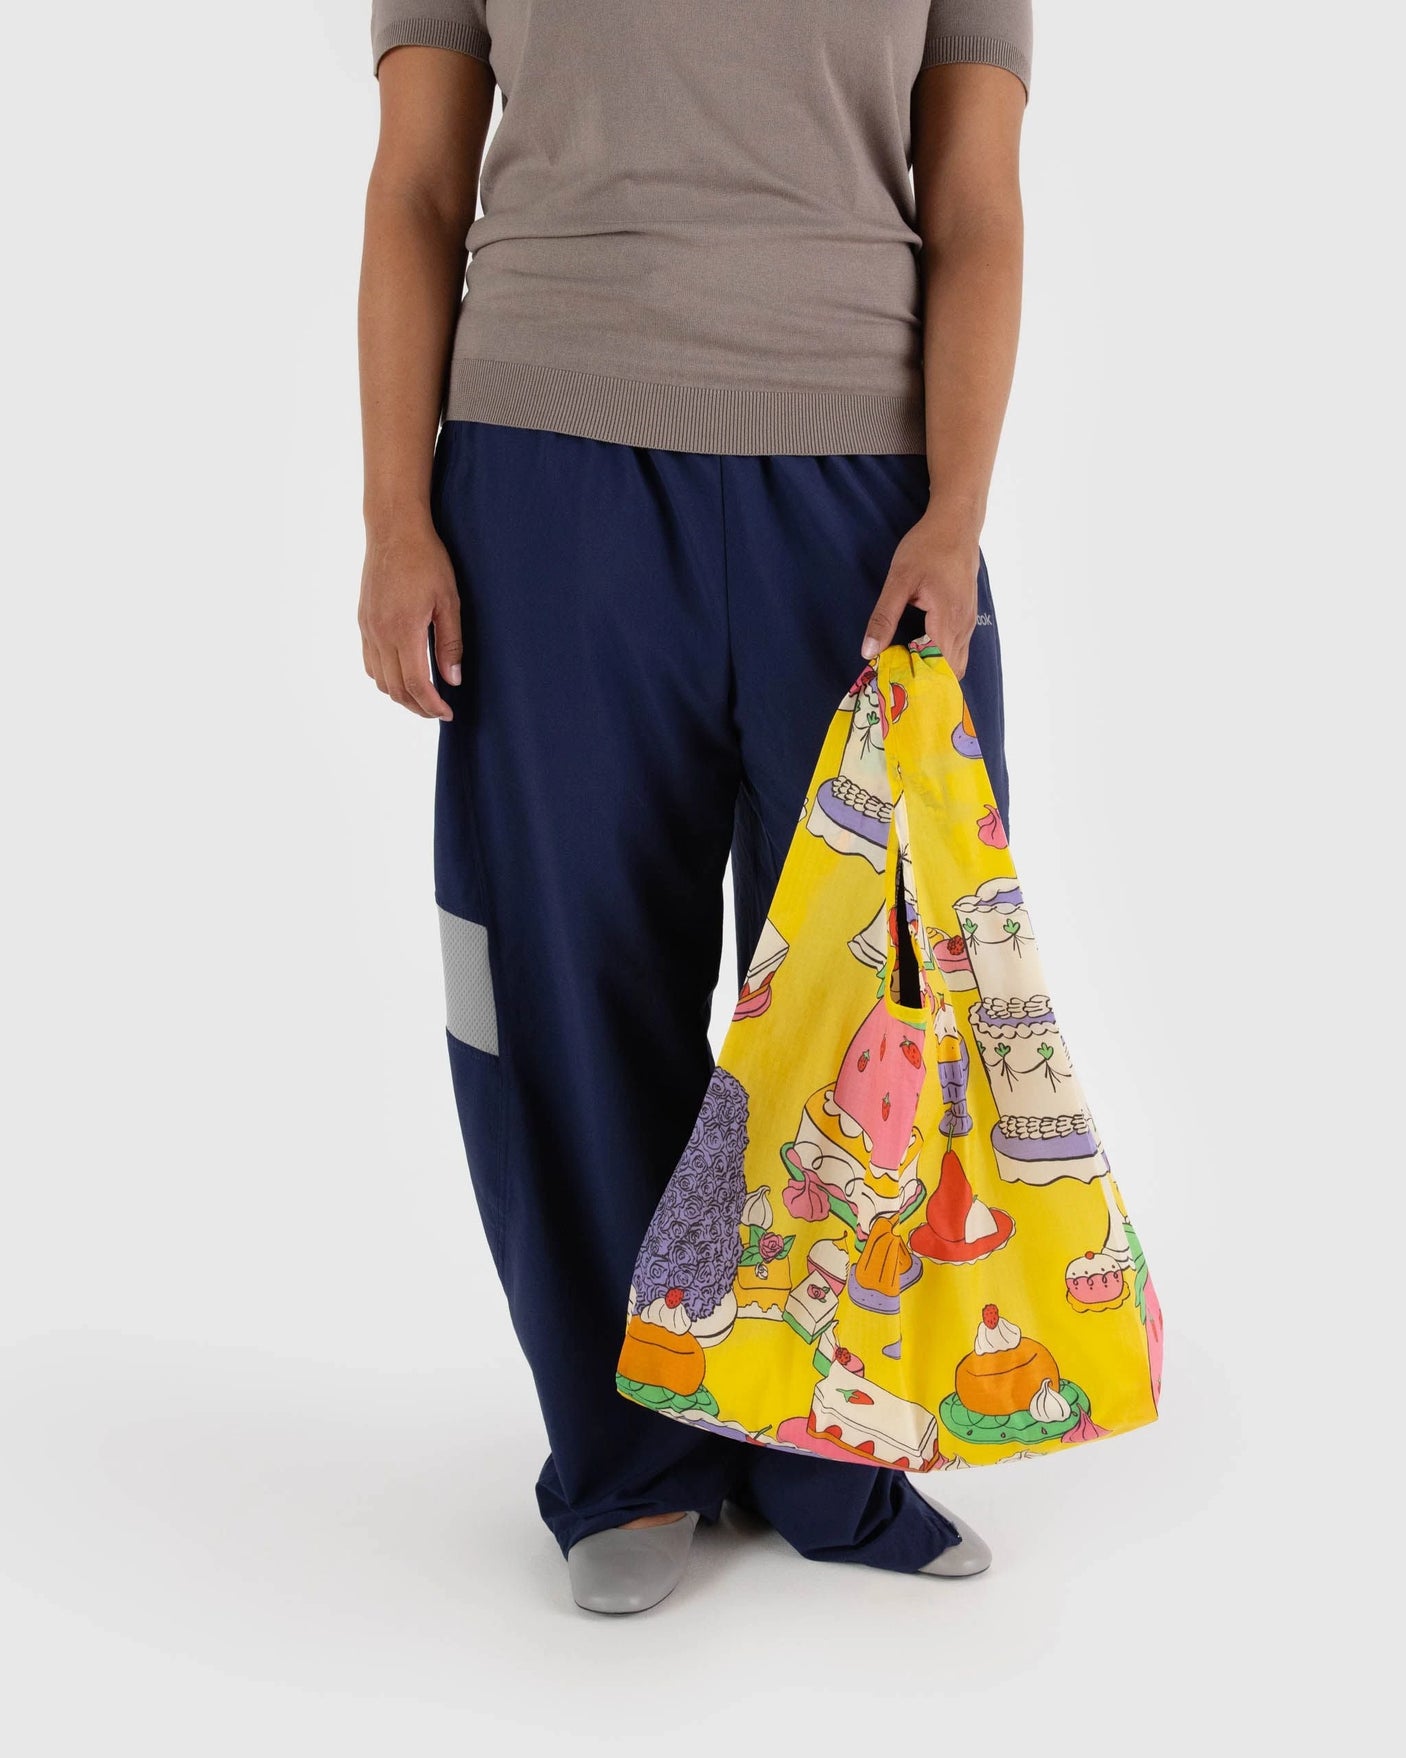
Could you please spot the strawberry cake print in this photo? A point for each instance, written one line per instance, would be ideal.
(894, 1237)
(855, 1148)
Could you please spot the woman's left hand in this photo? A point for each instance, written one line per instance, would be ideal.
(936, 570)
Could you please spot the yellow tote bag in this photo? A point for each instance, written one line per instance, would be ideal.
(893, 1237)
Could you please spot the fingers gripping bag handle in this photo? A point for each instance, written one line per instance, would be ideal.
(894, 1237)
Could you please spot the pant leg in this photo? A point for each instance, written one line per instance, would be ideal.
(583, 817)
(809, 541)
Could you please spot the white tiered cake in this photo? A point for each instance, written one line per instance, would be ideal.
(853, 810)
(1045, 1130)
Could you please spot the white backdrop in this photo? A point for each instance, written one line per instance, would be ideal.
(266, 1446)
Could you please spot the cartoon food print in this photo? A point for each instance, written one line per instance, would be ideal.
(895, 1143)
(886, 1264)
(659, 1354)
(991, 830)
(1009, 1390)
(964, 735)
(1005, 1369)
(957, 1227)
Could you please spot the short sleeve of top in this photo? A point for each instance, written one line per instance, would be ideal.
(433, 24)
(997, 32)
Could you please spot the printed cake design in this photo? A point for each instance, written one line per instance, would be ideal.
(954, 964)
(953, 1070)
(755, 996)
(1097, 1281)
(811, 1305)
(763, 1283)
(886, 1268)
(852, 1418)
(1044, 1131)
(854, 809)
(682, 1301)
(1009, 1390)
(893, 1238)
(873, 944)
(856, 1147)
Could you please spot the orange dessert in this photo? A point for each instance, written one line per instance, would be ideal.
(656, 1356)
(1005, 1370)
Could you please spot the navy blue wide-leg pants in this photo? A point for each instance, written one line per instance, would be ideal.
(656, 642)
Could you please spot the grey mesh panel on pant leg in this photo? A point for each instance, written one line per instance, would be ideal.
(470, 1014)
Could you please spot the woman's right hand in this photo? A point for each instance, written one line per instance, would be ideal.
(407, 589)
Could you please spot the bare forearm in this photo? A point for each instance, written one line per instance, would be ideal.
(435, 108)
(412, 270)
(966, 177)
(971, 325)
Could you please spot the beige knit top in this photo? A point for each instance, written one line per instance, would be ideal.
(698, 222)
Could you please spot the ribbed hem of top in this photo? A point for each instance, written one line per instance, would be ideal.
(942, 50)
(431, 33)
(683, 418)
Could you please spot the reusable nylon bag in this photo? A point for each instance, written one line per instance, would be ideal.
(894, 1237)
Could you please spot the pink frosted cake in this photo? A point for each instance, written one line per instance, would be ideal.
(878, 1086)
(1094, 1282)
(953, 962)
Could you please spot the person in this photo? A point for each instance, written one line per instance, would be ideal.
(713, 422)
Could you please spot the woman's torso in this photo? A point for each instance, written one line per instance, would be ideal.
(698, 224)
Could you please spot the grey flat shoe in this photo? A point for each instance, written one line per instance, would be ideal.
(622, 1570)
(971, 1555)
